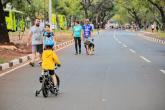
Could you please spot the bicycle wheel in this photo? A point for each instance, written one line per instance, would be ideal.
(58, 80)
(44, 89)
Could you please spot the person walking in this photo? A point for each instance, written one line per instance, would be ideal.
(77, 32)
(87, 34)
(36, 39)
(152, 27)
(48, 35)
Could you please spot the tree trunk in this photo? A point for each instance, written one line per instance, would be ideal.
(162, 13)
(86, 13)
(57, 20)
(163, 18)
(138, 22)
(4, 36)
(135, 17)
(97, 17)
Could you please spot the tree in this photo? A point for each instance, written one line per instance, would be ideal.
(71, 9)
(32, 8)
(86, 4)
(141, 12)
(101, 11)
(160, 6)
(3, 28)
(4, 36)
(135, 9)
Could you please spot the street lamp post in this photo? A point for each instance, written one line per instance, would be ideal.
(50, 12)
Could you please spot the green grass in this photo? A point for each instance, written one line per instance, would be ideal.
(161, 34)
(96, 30)
(1, 61)
(17, 33)
(66, 31)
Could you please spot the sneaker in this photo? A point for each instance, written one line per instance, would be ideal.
(79, 52)
(76, 53)
(56, 88)
(40, 63)
(41, 79)
(32, 64)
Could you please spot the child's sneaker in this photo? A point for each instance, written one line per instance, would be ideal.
(41, 79)
(80, 52)
(40, 63)
(31, 64)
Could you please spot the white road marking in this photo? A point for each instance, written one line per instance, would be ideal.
(119, 42)
(133, 51)
(104, 100)
(63, 47)
(163, 71)
(145, 59)
(2, 74)
(125, 46)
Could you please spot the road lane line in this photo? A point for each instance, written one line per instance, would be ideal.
(133, 51)
(119, 42)
(125, 46)
(145, 59)
(2, 74)
(18, 67)
(104, 100)
(163, 71)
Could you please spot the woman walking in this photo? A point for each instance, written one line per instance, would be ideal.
(77, 32)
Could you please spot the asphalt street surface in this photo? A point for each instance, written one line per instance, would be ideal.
(127, 72)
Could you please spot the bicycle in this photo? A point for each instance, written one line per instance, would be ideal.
(48, 85)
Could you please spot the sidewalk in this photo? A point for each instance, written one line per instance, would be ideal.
(22, 54)
(20, 49)
(25, 59)
(153, 37)
(154, 34)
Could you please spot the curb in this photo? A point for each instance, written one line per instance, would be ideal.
(28, 57)
(153, 39)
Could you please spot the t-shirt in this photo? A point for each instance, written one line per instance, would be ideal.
(49, 59)
(48, 36)
(152, 26)
(87, 30)
(36, 35)
(77, 31)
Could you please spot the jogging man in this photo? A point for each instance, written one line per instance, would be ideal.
(36, 38)
(87, 33)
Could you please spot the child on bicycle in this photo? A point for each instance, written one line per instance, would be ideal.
(50, 60)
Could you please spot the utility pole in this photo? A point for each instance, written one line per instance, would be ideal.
(50, 13)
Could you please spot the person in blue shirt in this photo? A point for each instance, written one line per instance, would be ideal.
(77, 32)
(48, 35)
(87, 33)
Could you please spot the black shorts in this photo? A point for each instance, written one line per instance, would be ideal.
(51, 72)
(37, 48)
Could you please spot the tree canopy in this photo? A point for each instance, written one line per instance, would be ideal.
(140, 12)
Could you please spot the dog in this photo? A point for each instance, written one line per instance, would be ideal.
(91, 47)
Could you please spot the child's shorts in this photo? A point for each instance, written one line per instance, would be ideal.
(51, 72)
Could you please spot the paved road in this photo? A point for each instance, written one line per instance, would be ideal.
(126, 73)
